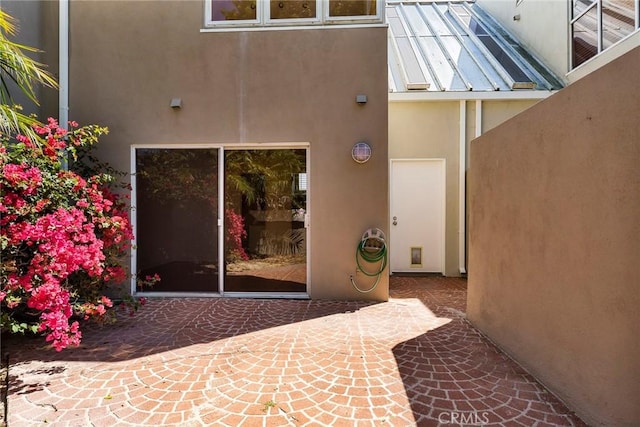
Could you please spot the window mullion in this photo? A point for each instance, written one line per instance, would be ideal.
(584, 12)
(263, 6)
(600, 28)
(320, 7)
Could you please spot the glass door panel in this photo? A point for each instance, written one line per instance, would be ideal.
(177, 218)
(265, 234)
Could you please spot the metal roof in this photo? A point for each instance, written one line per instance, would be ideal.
(437, 46)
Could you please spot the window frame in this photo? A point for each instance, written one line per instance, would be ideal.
(355, 18)
(269, 21)
(600, 45)
(209, 22)
(264, 21)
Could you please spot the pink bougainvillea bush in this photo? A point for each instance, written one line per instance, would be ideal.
(235, 233)
(63, 236)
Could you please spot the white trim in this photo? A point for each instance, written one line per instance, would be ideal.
(265, 295)
(134, 222)
(478, 118)
(254, 295)
(584, 12)
(232, 145)
(600, 34)
(462, 169)
(178, 295)
(341, 26)
(468, 95)
(63, 69)
(221, 219)
(307, 218)
(63, 114)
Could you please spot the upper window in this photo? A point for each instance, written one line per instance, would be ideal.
(598, 24)
(220, 13)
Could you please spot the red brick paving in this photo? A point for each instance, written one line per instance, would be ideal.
(196, 362)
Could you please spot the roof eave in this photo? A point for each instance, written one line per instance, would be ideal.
(423, 96)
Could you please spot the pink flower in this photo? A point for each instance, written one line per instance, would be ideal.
(61, 234)
(22, 177)
(106, 301)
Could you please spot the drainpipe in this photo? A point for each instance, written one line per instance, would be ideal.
(462, 167)
(63, 59)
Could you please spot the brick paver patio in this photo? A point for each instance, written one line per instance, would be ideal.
(192, 362)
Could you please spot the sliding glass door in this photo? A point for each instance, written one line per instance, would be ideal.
(265, 209)
(176, 211)
(185, 218)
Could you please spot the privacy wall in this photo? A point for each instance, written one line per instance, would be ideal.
(554, 202)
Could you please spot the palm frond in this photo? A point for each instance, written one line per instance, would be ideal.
(12, 122)
(17, 66)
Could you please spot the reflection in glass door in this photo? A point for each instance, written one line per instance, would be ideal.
(265, 208)
(177, 218)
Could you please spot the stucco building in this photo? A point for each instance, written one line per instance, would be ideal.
(237, 121)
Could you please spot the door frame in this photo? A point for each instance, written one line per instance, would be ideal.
(443, 236)
(221, 149)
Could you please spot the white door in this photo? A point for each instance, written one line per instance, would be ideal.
(417, 215)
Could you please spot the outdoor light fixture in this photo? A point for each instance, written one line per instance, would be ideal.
(176, 103)
(361, 152)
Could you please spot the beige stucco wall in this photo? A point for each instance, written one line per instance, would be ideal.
(33, 21)
(554, 247)
(423, 130)
(539, 22)
(430, 130)
(496, 112)
(128, 59)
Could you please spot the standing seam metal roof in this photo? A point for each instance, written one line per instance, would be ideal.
(456, 46)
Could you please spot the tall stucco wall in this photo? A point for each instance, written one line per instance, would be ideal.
(554, 247)
(129, 58)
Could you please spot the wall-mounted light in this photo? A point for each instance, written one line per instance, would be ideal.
(176, 103)
(361, 152)
(361, 99)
